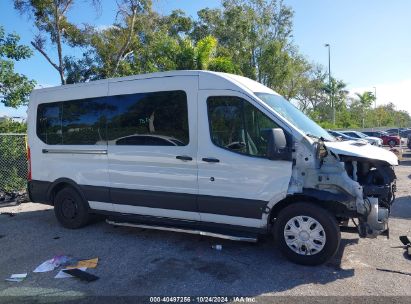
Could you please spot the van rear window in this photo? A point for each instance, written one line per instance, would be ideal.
(143, 119)
(49, 123)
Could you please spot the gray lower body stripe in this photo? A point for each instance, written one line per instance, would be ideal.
(237, 207)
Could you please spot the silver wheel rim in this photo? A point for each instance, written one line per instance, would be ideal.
(304, 235)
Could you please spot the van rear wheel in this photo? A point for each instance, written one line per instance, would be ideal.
(307, 234)
(70, 209)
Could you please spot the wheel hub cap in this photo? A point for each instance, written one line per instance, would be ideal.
(304, 235)
(69, 209)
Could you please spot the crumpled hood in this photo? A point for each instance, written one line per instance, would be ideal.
(359, 149)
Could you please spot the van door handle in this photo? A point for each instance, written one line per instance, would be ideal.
(184, 157)
(211, 160)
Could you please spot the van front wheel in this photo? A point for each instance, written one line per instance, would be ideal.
(307, 234)
(70, 209)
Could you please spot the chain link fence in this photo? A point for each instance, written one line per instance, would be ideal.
(13, 162)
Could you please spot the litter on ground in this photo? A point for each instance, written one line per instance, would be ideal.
(17, 277)
(92, 263)
(63, 275)
(45, 266)
(57, 261)
(82, 275)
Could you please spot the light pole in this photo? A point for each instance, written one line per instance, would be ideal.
(327, 45)
(375, 97)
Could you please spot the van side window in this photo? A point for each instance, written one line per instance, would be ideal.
(238, 126)
(149, 119)
(76, 122)
(84, 122)
(49, 123)
(144, 119)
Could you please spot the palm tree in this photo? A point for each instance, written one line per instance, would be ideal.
(366, 99)
(337, 92)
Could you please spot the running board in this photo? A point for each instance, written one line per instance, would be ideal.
(190, 231)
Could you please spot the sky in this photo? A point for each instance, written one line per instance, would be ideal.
(370, 41)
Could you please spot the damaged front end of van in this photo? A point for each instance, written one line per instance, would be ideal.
(357, 179)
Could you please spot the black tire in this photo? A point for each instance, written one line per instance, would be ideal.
(70, 209)
(322, 216)
(392, 143)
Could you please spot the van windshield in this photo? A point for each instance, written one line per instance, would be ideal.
(295, 116)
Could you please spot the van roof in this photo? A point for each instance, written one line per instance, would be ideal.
(208, 80)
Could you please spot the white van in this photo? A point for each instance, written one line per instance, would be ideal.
(203, 152)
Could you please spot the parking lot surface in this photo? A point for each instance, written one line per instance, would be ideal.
(144, 262)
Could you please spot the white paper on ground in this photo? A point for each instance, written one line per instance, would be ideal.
(18, 277)
(46, 266)
(63, 275)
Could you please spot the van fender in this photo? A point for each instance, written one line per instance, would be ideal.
(59, 184)
(270, 205)
(334, 202)
(323, 195)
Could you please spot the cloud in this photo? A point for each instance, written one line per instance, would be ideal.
(396, 92)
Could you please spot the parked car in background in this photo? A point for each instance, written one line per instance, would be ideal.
(343, 136)
(387, 139)
(375, 141)
(403, 132)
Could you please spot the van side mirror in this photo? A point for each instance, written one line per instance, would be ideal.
(277, 145)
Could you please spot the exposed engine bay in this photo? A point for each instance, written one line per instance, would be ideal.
(354, 186)
(378, 181)
(377, 178)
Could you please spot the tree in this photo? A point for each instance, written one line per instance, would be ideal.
(177, 24)
(284, 71)
(157, 43)
(337, 90)
(365, 99)
(120, 49)
(50, 18)
(10, 126)
(249, 29)
(14, 87)
(311, 94)
(129, 10)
